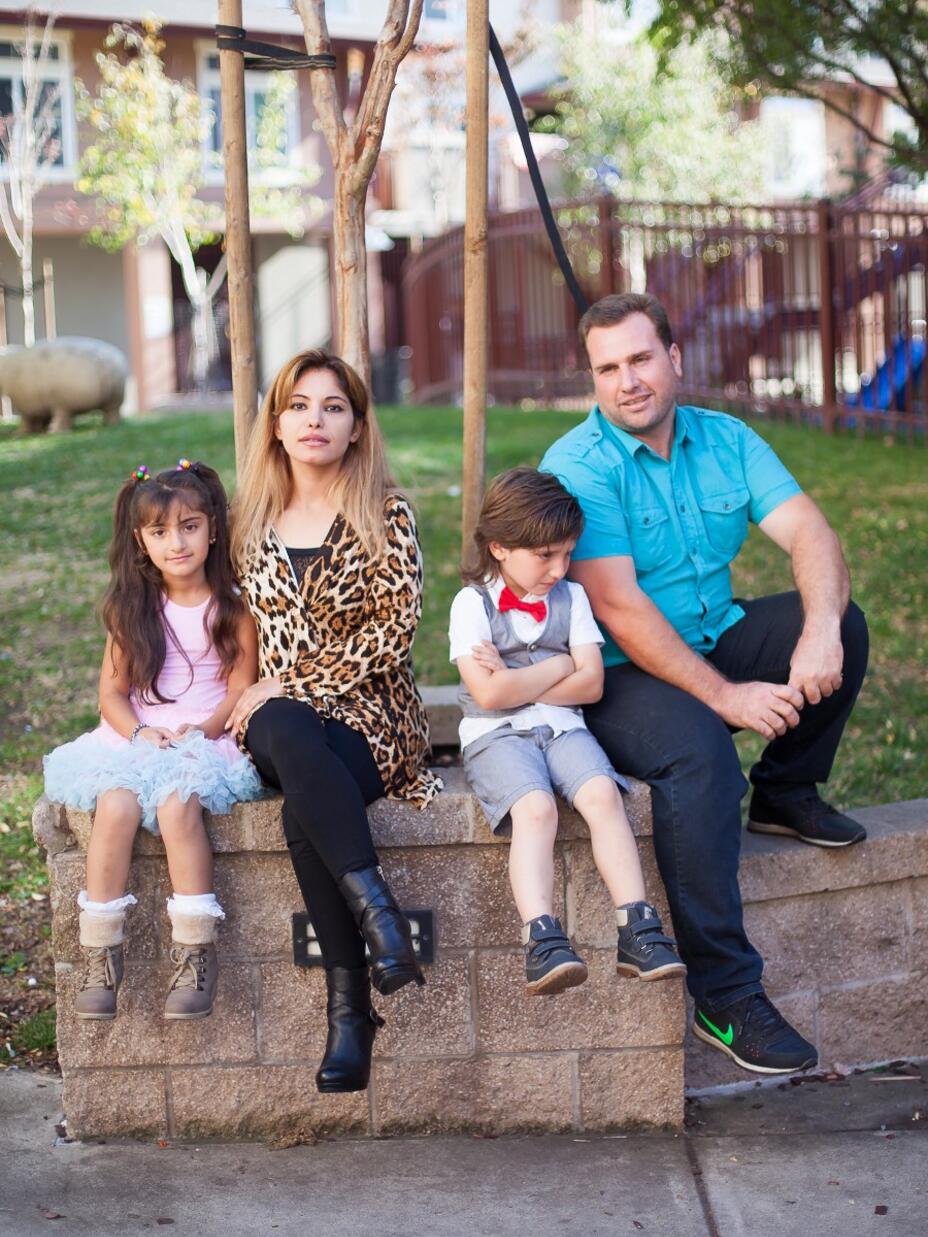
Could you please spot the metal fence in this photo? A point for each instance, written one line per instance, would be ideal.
(744, 289)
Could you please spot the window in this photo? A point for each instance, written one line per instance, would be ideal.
(55, 99)
(258, 87)
(444, 19)
(796, 149)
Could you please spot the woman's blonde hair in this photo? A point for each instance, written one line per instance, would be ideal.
(266, 483)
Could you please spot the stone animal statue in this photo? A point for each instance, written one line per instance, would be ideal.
(55, 379)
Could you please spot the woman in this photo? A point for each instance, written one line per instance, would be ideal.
(330, 566)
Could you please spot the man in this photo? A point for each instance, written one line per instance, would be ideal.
(667, 492)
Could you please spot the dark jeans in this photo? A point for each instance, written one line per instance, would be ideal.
(328, 777)
(684, 750)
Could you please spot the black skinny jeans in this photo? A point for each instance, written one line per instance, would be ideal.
(684, 750)
(328, 777)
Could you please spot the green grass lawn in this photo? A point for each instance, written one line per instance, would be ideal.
(55, 525)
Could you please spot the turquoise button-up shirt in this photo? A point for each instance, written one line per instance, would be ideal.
(682, 520)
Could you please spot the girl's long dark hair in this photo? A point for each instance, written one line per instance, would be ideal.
(133, 605)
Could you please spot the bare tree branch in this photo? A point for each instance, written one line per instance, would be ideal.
(882, 48)
(354, 149)
(322, 81)
(215, 280)
(396, 37)
(9, 223)
(807, 92)
(26, 140)
(412, 29)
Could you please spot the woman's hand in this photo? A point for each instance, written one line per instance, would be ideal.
(189, 728)
(250, 699)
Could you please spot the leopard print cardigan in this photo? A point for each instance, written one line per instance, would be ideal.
(343, 643)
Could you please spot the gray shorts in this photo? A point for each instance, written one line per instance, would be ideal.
(505, 764)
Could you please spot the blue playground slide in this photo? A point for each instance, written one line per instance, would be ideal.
(886, 389)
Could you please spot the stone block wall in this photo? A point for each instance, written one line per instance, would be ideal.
(470, 1051)
(844, 937)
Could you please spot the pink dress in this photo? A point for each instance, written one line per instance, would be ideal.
(214, 769)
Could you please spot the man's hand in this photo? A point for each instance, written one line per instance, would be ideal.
(770, 709)
(250, 699)
(816, 665)
(798, 527)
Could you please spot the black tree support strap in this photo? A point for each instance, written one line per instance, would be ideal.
(544, 205)
(266, 56)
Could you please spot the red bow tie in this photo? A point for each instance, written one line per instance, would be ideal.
(509, 601)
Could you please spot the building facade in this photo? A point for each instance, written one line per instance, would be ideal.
(135, 298)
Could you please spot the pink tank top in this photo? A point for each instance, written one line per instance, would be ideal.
(193, 682)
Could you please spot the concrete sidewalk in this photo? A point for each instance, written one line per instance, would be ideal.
(813, 1158)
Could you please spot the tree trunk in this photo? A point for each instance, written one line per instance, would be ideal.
(351, 279)
(25, 263)
(201, 292)
(354, 145)
(200, 340)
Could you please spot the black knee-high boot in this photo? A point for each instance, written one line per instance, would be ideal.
(353, 1024)
(384, 927)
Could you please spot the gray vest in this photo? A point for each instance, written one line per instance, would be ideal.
(553, 638)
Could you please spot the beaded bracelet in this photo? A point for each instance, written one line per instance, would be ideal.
(140, 726)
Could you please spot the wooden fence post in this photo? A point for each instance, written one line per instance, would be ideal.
(238, 233)
(826, 316)
(475, 268)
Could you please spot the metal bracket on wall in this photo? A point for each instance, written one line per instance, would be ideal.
(306, 951)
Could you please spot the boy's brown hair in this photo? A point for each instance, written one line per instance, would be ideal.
(523, 509)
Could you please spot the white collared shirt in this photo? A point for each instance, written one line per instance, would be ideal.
(469, 625)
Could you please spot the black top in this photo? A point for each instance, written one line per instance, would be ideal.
(301, 558)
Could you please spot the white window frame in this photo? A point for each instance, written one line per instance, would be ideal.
(795, 125)
(61, 72)
(452, 21)
(255, 82)
(450, 11)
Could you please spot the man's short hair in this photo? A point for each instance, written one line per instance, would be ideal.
(611, 310)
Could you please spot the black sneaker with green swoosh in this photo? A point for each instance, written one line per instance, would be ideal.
(755, 1035)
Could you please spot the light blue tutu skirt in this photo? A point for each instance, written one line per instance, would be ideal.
(77, 773)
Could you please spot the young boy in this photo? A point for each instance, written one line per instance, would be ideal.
(528, 652)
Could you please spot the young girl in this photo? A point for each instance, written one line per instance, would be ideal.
(527, 649)
(180, 649)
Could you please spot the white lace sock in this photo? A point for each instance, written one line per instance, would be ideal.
(195, 904)
(105, 908)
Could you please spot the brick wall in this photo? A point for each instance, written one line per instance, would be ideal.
(844, 936)
(470, 1051)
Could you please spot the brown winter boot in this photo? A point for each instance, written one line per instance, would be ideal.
(101, 946)
(193, 952)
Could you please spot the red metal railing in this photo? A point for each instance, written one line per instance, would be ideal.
(743, 287)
